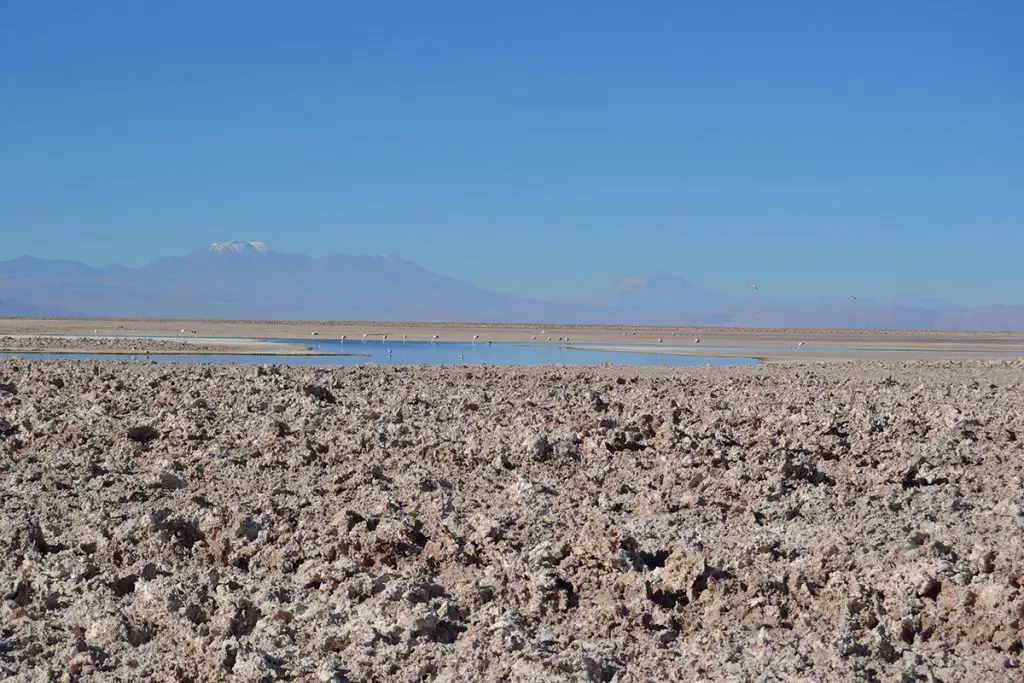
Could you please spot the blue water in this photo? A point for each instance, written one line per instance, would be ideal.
(425, 353)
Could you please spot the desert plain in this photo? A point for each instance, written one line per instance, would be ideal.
(851, 520)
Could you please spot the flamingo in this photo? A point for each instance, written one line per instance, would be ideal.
(475, 337)
(435, 338)
(799, 344)
(342, 337)
(659, 340)
(697, 340)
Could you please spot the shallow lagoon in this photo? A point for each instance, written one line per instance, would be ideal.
(424, 353)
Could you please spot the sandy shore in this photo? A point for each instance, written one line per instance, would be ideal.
(847, 521)
(769, 345)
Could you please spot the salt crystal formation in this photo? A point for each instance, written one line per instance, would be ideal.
(837, 522)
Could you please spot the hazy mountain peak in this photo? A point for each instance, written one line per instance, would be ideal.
(631, 282)
(654, 280)
(240, 247)
(657, 291)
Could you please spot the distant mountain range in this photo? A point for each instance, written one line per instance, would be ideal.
(248, 280)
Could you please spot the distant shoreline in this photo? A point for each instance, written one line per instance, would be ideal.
(441, 324)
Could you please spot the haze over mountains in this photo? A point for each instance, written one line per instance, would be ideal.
(248, 280)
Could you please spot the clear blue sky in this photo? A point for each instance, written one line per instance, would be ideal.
(813, 147)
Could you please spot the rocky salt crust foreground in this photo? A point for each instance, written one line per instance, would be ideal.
(841, 522)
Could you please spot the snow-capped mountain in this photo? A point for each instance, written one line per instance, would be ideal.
(240, 247)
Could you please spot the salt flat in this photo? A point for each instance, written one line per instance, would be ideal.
(841, 521)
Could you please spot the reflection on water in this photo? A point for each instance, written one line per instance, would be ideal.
(426, 353)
